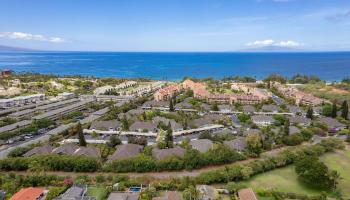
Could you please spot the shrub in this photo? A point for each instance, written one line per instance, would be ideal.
(51, 162)
(238, 172)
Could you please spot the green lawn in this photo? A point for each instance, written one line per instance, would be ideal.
(99, 192)
(285, 179)
(340, 161)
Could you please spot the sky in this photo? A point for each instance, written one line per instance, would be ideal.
(175, 25)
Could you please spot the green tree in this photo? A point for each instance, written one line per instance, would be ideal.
(125, 123)
(334, 177)
(286, 127)
(310, 113)
(334, 110)
(169, 139)
(174, 100)
(233, 187)
(313, 172)
(81, 137)
(345, 110)
(148, 193)
(327, 110)
(215, 107)
(114, 141)
(254, 144)
(171, 105)
(243, 118)
(191, 193)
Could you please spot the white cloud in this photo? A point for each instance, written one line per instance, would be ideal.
(269, 42)
(29, 36)
(261, 43)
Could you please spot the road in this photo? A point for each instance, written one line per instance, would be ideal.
(45, 137)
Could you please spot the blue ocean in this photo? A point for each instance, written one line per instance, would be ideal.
(174, 66)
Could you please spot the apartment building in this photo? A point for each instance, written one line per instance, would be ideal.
(167, 92)
(21, 100)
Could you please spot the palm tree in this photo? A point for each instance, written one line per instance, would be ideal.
(191, 193)
(335, 178)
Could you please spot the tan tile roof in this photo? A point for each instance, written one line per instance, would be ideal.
(247, 194)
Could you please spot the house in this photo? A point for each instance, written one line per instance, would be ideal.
(103, 89)
(238, 144)
(248, 109)
(174, 125)
(245, 99)
(262, 120)
(251, 132)
(167, 92)
(199, 89)
(74, 150)
(66, 95)
(111, 125)
(87, 151)
(140, 126)
(247, 194)
(125, 151)
(21, 100)
(183, 105)
(6, 73)
(30, 193)
(293, 130)
(296, 110)
(332, 123)
(161, 154)
(156, 104)
(299, 120)
(206, 192)
(202, 145)
(46, 149)
(67, 149)
(205, 107)
(135, 112)
(123, 196)
(301, 98)
(201, 122)
(75, 192)
(219, 98)
(169, 195)
(225, 108)
(307, 99)
(270, 108)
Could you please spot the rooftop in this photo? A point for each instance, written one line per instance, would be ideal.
(30, 193)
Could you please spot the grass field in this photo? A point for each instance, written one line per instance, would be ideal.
(340, 161)
(326, 92)
(100, 193)
(285, 179)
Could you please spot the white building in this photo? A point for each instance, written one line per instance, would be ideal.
(65, 95)
(21, 100)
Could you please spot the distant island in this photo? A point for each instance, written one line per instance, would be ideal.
(4, 48)
(273, 49)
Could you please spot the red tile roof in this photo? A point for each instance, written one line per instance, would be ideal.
(28, 194)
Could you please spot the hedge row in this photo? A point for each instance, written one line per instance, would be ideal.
(288, 195)
(192, 160)
(242, 172)
(50, 162)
